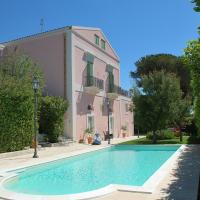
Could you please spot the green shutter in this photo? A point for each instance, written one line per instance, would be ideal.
(111, 81)
(103, 44)
(96, 39)
(89, 73)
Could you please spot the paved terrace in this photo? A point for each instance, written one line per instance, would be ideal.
(180, 183)
(24, 158)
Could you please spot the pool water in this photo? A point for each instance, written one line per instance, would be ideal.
(121, 164)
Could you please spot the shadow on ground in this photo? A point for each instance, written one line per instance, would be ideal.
(184, 185)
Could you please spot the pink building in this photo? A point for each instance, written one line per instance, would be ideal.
(80, 65)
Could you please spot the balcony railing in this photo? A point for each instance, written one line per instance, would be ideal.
(91, 81)
(118, 90)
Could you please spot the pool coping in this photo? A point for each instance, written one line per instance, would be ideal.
(148, 187)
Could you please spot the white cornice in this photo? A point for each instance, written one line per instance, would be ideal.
(85, 28)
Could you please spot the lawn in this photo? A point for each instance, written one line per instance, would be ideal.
(186, 140)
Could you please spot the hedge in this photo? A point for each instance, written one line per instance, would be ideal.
(16, 122)
(161, 135)
(52, 117)
(17, 102)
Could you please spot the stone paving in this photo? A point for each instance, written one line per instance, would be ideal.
(22, 158)
(181, 182)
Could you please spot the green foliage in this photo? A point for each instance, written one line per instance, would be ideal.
(192, 58)
(161, 135)
(163, 62)
(52, 117)
(186, 140)
(197, 5)
(89, 131)
(124, 128)
(16, 102)
(156, 105)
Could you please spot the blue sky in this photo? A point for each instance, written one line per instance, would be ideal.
(135, 28)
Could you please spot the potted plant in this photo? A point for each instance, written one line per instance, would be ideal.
(124, 129)
(81, 140)
(88, 132)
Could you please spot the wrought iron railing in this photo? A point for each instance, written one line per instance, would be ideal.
(116, 89)
(93, 81)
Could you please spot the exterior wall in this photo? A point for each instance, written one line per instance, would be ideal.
(127, 117)
(62, 59)
(89, 35)
(48, 53)
(101, 60)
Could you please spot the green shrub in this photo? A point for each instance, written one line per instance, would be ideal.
(52, 117)
(16, 122)
(161, 135)
(16, 102)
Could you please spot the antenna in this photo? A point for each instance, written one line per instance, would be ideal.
(42, 25)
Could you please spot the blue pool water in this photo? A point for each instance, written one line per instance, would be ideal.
(121, 164)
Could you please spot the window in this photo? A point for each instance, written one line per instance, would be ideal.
(111, 81)
(103, 44)
(96, 38)
(89, 73)
(126, 107)
(90, 122)
(89, 69)
(111, 123)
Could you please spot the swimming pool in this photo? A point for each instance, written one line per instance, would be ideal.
(121, 164)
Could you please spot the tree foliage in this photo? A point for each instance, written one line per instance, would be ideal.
(165, 62)
(197, 5)
(157, 104)
(16, 101)
(52, 117)
(192, 58)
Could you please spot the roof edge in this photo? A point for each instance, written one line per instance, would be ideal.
(57, 30)
(86, 28)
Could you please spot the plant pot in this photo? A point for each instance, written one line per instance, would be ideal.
(89, 140)
(124, 135)
(81, 141)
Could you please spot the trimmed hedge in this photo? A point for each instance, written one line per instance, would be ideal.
(16, 122)
(52, 117)
(161, 135)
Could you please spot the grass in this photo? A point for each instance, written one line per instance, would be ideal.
(186, 140)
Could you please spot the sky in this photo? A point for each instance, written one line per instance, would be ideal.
(135, 28)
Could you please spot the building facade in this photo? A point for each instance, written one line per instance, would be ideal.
(79, 64)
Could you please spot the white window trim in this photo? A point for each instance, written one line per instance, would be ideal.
(90, 115)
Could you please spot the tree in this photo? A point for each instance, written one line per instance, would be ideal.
(52, 117)
(197, 5)
(192, 58)
(167, 62)
(16, 101)
(156, 102)
(183, 115)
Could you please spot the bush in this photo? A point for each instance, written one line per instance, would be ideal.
(16, 122)
(161, 135)
(52, 117)
(16, 102)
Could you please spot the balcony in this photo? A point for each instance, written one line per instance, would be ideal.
(114, 91)
(93, 85)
